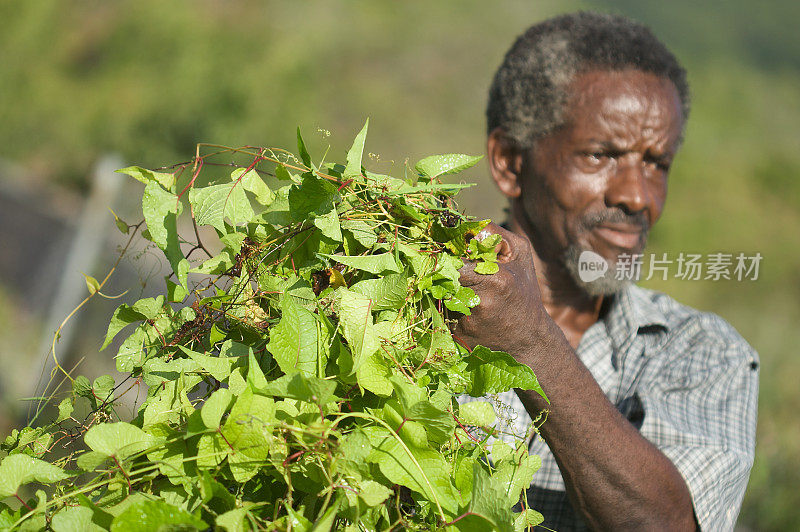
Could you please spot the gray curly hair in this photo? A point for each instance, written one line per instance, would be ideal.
(530, 89)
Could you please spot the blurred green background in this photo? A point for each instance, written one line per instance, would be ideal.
(149, 79)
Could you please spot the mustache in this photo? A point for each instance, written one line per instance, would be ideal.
(616, 216)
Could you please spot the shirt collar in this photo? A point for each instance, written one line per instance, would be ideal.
(632, 310)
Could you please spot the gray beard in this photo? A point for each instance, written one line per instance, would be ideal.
(606, 285)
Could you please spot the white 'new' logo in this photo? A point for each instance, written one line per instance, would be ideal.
(591, 266)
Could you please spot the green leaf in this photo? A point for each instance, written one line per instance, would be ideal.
(248, 430)
(448, 267)
(211, 451)
(91, 284)
(501, 450)
(439, 424)
(211, 489)
(216, 265)
(213, 204)
(161, 210)
(171, 456)
(157, 206)
(75, 518)
(527, 519)
(302, 387)
(301, 147)
(296, 288)
(252, 182)
(373, 493)
(488, 509)
(157, 370)
(156, 516)
(384, 183)
(255, 376)
(146, 176)
(103, 388)
(515, 472)
(215, 407)
(413, 401)
(429, 476)
(387, 292)
(489, 372)
(456, 238)
(362, 232)
(277, 213)
(122, 317)
(380, 263)
(373, 374)
(132, 351)
(218, 367)
(282, 173)
(296, 520)
(462, 300)
(91, 460)
(233, 241)
(452, 163)
(325, 522)
(444, 188)
(313, 197)
(176, 293)
(328, 223)
(100, 517)
(355, 318)
(352, 453)
(477, 413)
(7, 517)
(149, 307)
(19, 469)
(487, 267)
(120, 440)
(355, 154)
(65, 408)
(295, 341)
(180, 265)
(456, 305)
(408, 394)
(82, 387)
(123, 227)
(233, 520)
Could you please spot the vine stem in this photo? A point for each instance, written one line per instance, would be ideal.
(270, 159)
(405, 448)
(122, 470)
(459, 518)
(58, 366)
(23, 502)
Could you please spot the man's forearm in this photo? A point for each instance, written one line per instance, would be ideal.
(614, 476)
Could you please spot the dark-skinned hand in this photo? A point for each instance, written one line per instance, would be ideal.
(511, 316)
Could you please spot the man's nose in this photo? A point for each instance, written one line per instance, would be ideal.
(627, 188)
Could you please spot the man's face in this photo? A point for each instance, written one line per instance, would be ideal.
(600, 182)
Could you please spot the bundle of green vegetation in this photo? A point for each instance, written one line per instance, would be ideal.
(306, 381)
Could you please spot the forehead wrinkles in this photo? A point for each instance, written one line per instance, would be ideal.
(625, 107)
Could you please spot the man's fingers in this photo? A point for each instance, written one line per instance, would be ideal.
(467, 275)
(507, 246)
(505, 252)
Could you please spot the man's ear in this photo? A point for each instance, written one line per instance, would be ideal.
(505, 162)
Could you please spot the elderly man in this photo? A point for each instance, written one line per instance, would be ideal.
(653, 404)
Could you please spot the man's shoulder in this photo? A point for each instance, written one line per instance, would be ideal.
(693, 329)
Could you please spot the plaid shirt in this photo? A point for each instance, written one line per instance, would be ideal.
(686, 380)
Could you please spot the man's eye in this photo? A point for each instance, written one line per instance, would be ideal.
(596, 157)
(660, 165)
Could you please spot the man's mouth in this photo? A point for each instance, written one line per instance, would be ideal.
(623, 236)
